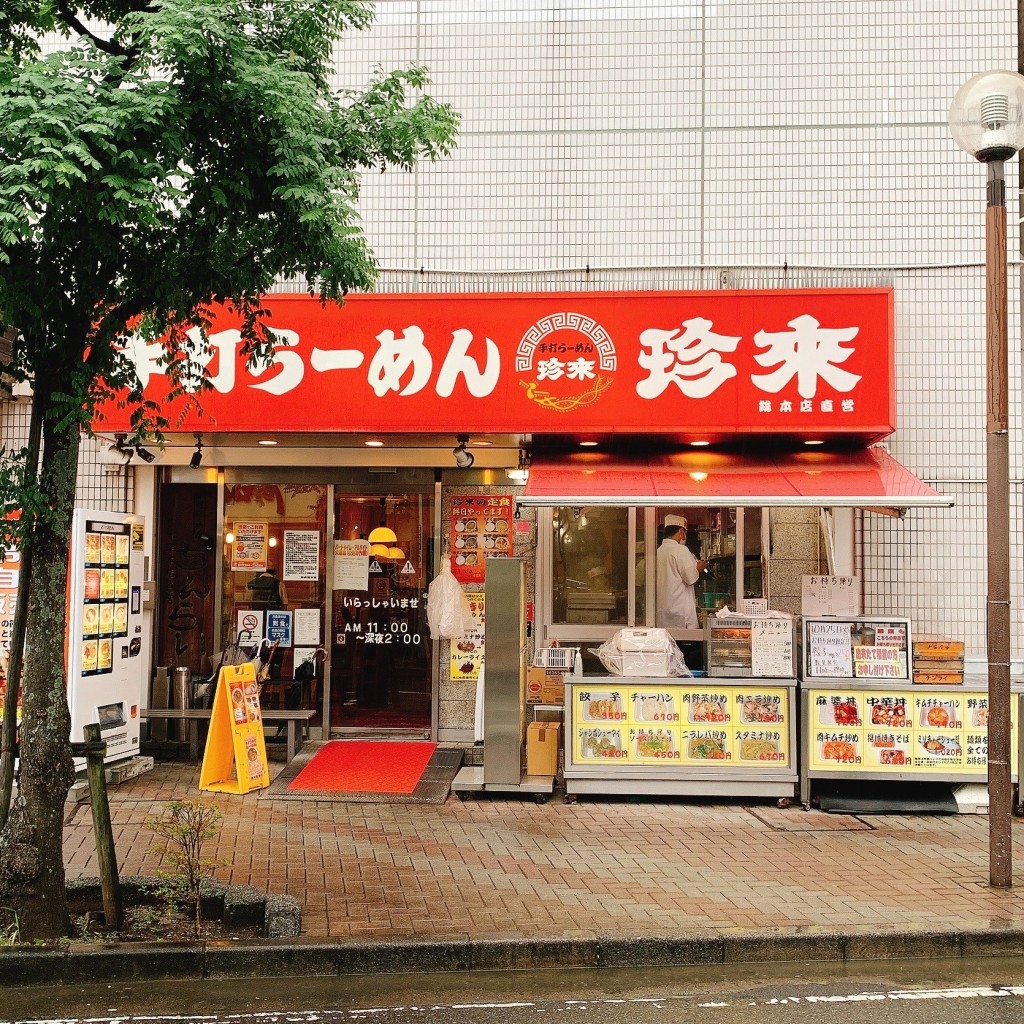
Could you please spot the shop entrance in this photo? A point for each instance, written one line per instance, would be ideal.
(381, 663)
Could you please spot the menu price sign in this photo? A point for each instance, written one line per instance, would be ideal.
(829, 650)
(830, 595)
(899, 732)
(235, 758)
(481, 527)
(467, 653)
(714, 728)
(771, 647)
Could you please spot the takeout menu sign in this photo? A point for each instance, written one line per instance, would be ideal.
(933, 733)
(695, 725)
(481, 527)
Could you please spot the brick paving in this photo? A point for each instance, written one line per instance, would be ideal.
(495, 868)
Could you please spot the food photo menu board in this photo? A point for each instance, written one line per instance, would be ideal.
(876, 649)
(481, 527)
(930, 732)
(105, 555)
(745, 725)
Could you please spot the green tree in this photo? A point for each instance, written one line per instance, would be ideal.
(162, 156)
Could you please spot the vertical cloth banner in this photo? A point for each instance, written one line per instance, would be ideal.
(235, 758)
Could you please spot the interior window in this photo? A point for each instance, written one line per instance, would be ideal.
(590, 565)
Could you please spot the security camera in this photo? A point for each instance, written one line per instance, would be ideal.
(145, 454)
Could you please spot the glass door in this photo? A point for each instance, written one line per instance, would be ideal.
(381, 663)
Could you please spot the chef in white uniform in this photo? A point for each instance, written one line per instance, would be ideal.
(678, 571)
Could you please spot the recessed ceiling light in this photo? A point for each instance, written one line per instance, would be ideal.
(374, 444)
(588, 444)
(482, 444)
(814, 442)
(266, 441)
(699, 444)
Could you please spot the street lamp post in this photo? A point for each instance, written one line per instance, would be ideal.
(986, 119)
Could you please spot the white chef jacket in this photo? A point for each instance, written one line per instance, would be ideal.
(677, 573)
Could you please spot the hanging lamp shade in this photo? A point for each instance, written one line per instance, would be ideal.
(382, 535)
(379, 550)
(396, 553)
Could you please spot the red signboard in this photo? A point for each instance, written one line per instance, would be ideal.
(797, 362)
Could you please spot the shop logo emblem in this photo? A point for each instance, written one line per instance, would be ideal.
(569, 361)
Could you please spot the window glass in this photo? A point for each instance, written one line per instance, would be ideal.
(590, 565)
(753, 574)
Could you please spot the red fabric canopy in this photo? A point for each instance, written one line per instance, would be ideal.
(860, 479)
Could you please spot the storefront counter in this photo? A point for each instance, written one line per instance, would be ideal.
(680, 736)
(858, 729)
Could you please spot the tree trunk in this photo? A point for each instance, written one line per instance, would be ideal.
(33, 877)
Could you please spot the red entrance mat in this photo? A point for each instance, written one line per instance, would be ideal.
(358, 766)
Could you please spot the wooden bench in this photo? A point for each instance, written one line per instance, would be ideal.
(296, 721)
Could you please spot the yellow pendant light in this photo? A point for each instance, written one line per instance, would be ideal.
(379, 550)
(382, 535)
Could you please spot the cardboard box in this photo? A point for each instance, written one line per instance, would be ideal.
(543, 742)
(545, 686)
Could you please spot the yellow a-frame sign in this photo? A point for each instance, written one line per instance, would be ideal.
(235, 759)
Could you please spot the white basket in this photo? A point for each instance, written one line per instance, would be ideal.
(556, 657)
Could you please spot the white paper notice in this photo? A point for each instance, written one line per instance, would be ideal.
(351, 565)
(829, 650)
(302, 555)
(771, 648)
(307, 627)
(830, 595)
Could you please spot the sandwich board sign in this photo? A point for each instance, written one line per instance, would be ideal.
(235, 759)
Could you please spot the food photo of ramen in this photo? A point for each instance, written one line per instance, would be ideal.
(90, 620)
(121, 619)
(107, 584)
(123, 548)
(238, 704)
(121, 583)
(106, 619)
(105, 655)
(89, 655)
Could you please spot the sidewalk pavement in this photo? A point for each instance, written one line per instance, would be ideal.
(509, 882)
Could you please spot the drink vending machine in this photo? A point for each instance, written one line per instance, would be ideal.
(105, 665)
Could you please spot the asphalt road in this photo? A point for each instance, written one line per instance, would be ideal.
(982, 991)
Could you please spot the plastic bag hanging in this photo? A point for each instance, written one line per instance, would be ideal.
(448, 612)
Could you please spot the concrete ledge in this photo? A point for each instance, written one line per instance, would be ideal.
(84, 962)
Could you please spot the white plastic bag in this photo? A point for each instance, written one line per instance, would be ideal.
(448, 613)
(654, 653)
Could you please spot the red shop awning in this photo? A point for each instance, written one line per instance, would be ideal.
(867, 478)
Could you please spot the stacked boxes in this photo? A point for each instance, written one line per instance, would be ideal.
(938, 659)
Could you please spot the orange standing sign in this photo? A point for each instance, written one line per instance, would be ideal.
(235, 759)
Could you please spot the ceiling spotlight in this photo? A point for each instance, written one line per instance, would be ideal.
(197, 456)
(521, 473)
(464, 458)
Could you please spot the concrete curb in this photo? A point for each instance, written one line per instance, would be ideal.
(77, 963)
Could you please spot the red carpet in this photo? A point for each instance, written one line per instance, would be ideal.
(357, 766)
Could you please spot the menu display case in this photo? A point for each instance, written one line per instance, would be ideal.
(869, 648)
(758, 647)
(901, 731)
(680, 736)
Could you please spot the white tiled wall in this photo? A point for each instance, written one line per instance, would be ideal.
(650, 144)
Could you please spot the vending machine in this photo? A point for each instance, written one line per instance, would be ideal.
(105, 671)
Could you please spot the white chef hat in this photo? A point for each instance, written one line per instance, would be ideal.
(675, 521)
